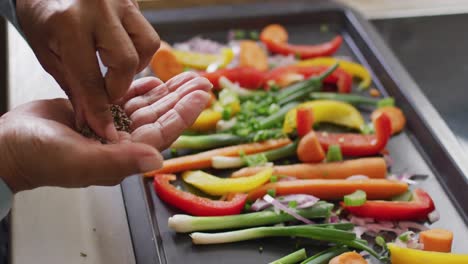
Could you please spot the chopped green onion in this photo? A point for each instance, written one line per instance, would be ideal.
(405, 237)
(255, 160)
(292, 204)
(239, 34)
(404, 197)
(201, 142)
(186, 223)
(273, 108)
(247, 207)
(254, 35)
(357, 198)
(292, 258)
(226, 114)
(334, 153)
(379, 240)
(174, 152)
(273, 178)
(271, 192)
(367, 129)
(389, 101)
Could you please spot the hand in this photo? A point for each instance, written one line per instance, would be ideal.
(65, 36)
(40, 147)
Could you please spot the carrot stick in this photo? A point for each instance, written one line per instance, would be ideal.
(439, 240)
(252, 55)
(164, 63)
(203, 159)
(333, 189)
(397, 118)
(275, 32)
(371, 167)
(309, 148)
(348, 258)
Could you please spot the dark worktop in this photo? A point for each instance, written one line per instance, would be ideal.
(434, 50)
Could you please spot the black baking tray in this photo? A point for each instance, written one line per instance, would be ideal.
(427, 146)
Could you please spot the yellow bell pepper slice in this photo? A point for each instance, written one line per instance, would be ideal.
(206, 121)
(219, 186)
(329, 111)
(354, 69)
(201, 61)
(400, 255)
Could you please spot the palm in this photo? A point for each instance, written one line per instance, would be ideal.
(41, 135)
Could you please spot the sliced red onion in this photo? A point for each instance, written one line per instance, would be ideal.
(377, 228)
(357, 177)
(388, 160)
(281, 60)
(334, 219)
(198, 44)
(389, 224)
(413, 225)
(285, 209)
(259, 205)
(361, 221)
(433, 216)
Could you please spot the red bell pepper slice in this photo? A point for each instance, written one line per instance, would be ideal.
(360, 145)
(303, 51)
(416, 209)
(338, 77)
(195, 205)
(304, 120)
(246, 77)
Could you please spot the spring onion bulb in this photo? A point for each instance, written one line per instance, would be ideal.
(292, 258)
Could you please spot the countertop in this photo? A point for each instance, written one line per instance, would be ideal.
(80, 226)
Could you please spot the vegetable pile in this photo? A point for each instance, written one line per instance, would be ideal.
(304, 153)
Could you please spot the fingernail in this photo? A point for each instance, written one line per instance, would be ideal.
(149, 163)
(111, 133)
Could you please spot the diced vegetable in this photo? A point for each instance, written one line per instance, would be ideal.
(193, 204)
(417, 209)
(360, 145)
(389, 101)
(201, 61)
(202, 160)
(219, 186)
(292, 258)
(309, 148)
(325, 256)
(186, 223)
(335, 112)
(399, 255)
(252, 55)
(333, 189)
(304, 121)
(275, 32)
(206, 121)
(357, 198)
(437, 239)
(397, 118)
(354, 69)
(225, 83)
(370, 167)
(334, 153)
(202, 142)
(164, 63)
(348, 258)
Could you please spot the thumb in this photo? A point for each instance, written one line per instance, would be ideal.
(110, 164)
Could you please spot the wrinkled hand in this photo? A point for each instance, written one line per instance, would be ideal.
(40, 147)
(65, 36)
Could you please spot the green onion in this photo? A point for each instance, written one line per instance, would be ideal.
(186, 223)
(292, 204)
(292, 258)
(226, 84)
(271, 192)
(253, 35)
(273, 178)
(226, 114)
(325, 256)
(357, 198)
(277, 117)
(201, 142)
(380, 241)
(247, 207)
(404, 197)
(174, 152)
(305, 231)
(367, 129)
(389, 101)
(273, 109)
(255, 160)
(405, 237)
(239, 34)
(334, 153)
(353, 99)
